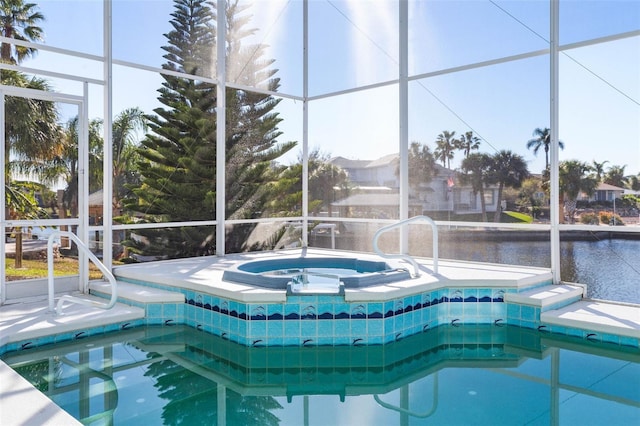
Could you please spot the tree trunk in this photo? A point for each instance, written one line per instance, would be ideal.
(483, 205)
(18, 254)
(496, 218)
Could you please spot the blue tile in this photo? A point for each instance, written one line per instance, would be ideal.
(328, 299)
(154, 310)
(291, 340)
(274, 308)
(242, 328)
(325, 308)
(485, 294)
(527, 313)
(629, 341)
(375, 339)
(456, 310)
(575, 332)
(398, 323)
(470, 311)
(257, 329)
(375, 327)
(233, 325)
(342, 327)
(324, 340)
(358, 310)
(308, 329)
(275, 329)
(325, 328)
(468, 293)
(275, 341)
(358, 327)
(291, 310)
(292, 329)
(341, 308)
(513, 311)
(375, 307)
(342, 340)
(499, 310)
(169, 310)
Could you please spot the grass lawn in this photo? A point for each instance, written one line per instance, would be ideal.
(38, 269)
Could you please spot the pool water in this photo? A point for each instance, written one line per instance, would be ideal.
(278, 273)
(471, 374)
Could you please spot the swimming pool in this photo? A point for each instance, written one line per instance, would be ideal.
(454, 375)
(299, 272)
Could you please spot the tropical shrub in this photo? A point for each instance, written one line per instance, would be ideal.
(610, 219)
(589, 219)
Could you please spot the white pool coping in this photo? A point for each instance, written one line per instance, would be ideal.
(204, 274)
(601, 316)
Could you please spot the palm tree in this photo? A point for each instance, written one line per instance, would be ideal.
(32, 139)
(615, 176)
(422, 164)
(65, 164)
(125, 126)
(574, 177)
(468, 142)
(507, 169)
(598, 168)
(446, 144)
(542, 139)
(19, 20)
(475, 169)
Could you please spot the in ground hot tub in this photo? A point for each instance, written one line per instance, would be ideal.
(292, 272)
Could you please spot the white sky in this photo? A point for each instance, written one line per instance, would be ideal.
(355, 43)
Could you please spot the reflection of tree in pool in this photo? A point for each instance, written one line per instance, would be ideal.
(37, 373)
(192, 399)
(251, 410)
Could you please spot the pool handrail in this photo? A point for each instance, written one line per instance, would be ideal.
(403, 256)
(72, 299)
(401, 410)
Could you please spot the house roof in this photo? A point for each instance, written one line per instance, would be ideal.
(95, 198)
(346, 163)
(606, 187)
(383, 161)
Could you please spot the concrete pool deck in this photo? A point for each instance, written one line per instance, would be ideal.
(28, 318)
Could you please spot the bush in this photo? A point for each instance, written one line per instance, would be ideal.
(589, 219)
(611, 219)
(616, 220)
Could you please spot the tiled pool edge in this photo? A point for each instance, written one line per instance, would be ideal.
(344, 323)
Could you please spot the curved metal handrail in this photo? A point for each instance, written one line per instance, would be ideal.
(72, 299)
(401, 410)
(406, 257)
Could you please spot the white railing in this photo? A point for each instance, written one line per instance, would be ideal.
(72, 299)
(406, 257)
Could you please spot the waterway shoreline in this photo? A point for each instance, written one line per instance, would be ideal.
(492, 234)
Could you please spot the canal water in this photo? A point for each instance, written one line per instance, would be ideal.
(609, 267)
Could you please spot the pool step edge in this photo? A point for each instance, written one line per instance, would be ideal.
(128, 292)
(549, 296)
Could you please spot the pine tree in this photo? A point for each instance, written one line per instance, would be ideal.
(178, 164)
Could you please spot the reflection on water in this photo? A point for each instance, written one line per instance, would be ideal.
(449, 375)
(609, 267)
